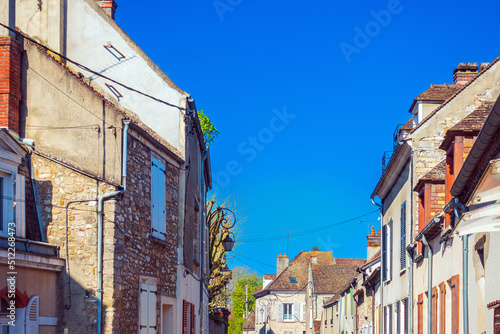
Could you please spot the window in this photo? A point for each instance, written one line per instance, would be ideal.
(287, 312)
(11, 185)
(158, 199)
(390, 249)
(147, 309)
(405, 315)
(403, 236)
(387, 250)
(384, 252)
(188, 318)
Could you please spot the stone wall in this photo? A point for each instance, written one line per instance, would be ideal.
(130, 252)
(135, 253)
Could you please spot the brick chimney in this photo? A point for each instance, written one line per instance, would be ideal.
(281, 263)
(464, 72)
(10, 82)
(373, 244)
(314, 258)
(109, 6)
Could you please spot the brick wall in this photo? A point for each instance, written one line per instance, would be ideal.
(10, 82)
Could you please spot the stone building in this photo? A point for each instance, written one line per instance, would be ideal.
(421, 257)
(293, 301)
(110, 183)
(477, 187)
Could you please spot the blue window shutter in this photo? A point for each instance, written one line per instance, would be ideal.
(158, 200)
(390, 248)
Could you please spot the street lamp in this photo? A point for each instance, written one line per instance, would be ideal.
(228, 243)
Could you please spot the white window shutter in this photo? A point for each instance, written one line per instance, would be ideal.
(296, 312)
(32, 315)
(302, 311)
(143, 327)
(280, 312)
(152, 309)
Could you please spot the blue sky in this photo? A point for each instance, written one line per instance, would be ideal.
(306, 97)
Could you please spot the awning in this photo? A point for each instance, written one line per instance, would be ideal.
(484, 219)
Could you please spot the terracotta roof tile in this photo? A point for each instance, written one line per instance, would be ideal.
(350, 262)
(330, 279)
(482, 70)
(250, 321)
(437, 175)
(329, 274)
(438, 93)
(470, 124)
(269, 276)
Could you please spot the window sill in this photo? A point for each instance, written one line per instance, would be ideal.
(402, 272)
(419, 257)
(159, 241)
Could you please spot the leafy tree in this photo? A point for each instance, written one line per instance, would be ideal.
(208, 128)
(236, 325)
(315, 248)
(254, 282)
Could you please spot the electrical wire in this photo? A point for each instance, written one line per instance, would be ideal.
(246, 257)
(314, 230)
(83, 67)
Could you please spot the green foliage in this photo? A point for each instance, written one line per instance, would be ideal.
(315, 248)
(208, 128)
(254, 282)
(235, 325)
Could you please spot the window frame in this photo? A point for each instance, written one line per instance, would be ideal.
(290, 316)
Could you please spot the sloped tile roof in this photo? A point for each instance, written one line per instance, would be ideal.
(350, 262)
(437, 174)
(329, 274)
(438, 93)
(269, 276)
(250, 321)
(331, 278)
(470, 124)
(455, 94)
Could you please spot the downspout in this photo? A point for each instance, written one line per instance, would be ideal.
(410, 249)
(410, 269)
(465, 267)
(429, 284)
(382, 268)
(100, 213)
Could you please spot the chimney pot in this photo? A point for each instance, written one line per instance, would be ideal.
(281, 263)
(464, 72)
(109, 6)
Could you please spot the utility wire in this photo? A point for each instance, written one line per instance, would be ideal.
(236, 256)
(314, 230)
(83, 67)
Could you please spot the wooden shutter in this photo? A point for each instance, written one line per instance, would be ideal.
(398, 317)
(434, 310)
(420, 314)
(296, 311)
(32, 315)
(390, 318)
(455, 315)
(158, 200)
(390, 247)
(405, 305)
(403, 236)
(384, 253)
(193, 318)
(496, 321)
(280, 311)
(147, 309)
(442, 308)
(185, 305)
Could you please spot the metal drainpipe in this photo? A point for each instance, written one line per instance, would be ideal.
(410, 302)
(382, 268)
(100, 205)
(465, 267)
(429, 284)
